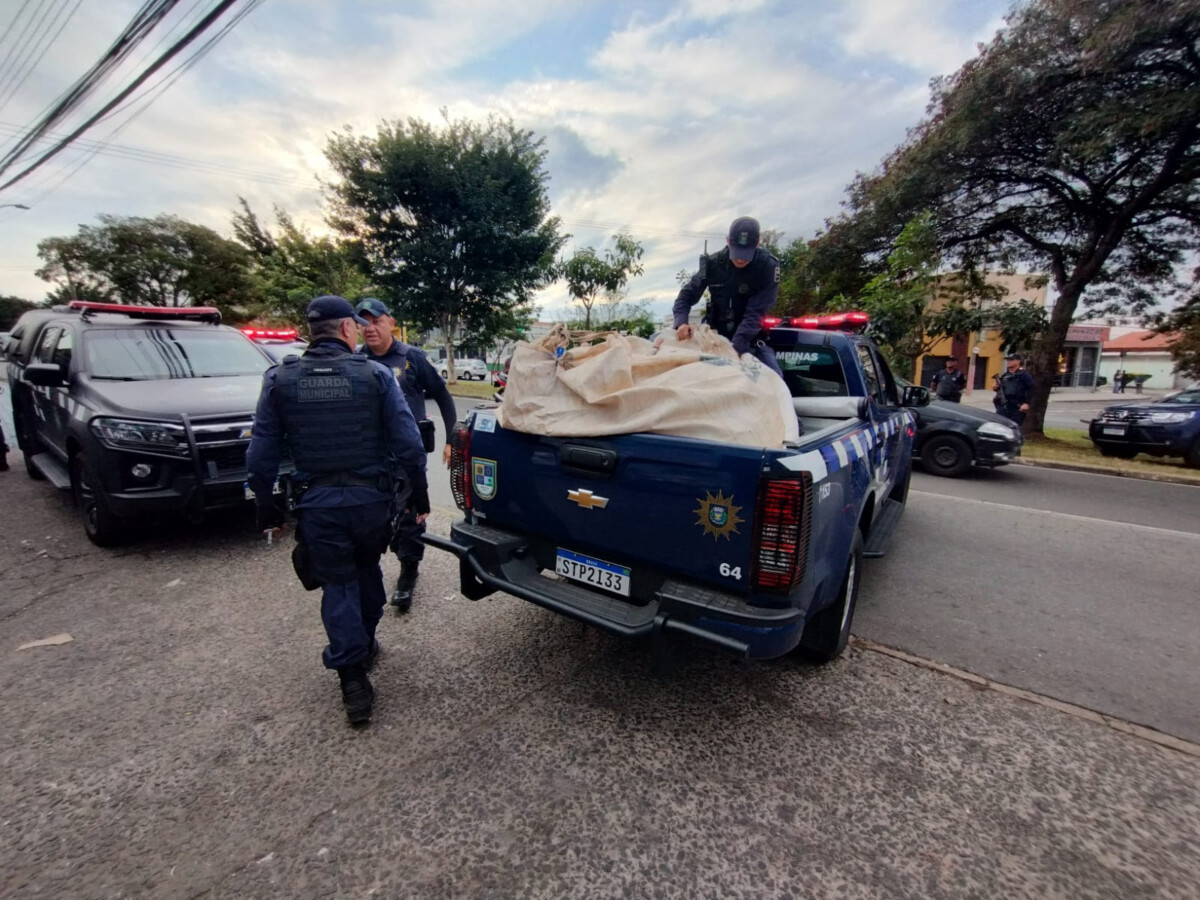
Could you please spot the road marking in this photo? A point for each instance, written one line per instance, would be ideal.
(1062, 515)
(1154, 736)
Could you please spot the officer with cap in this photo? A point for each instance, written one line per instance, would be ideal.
(1014, 390)
(743, 282)
(418, 380)
(350, 434)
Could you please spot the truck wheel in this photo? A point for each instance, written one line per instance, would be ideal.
(445, 375)
(1191, 459)
(827, 632)
(947, 455)
(1117, 452)
(102, 526)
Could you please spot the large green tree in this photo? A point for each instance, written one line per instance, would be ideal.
(290, 266)
(454, 221)
(11, 309)
(591, 276)
(1070, 145)
(164, 261)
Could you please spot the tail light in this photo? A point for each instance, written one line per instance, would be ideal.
(460, 453)
(784, 525)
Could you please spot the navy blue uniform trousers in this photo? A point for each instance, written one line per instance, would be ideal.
(345, 543)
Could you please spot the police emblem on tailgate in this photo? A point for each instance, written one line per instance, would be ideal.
(483, 478)
(718, 516)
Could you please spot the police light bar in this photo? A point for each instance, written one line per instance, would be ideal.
(271, 334)
(194, 313)
(847, 321)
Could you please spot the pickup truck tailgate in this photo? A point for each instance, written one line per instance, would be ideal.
(646, 503)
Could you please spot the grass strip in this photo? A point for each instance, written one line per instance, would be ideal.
(1066, 445)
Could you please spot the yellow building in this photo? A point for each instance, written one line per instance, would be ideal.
(979, 354)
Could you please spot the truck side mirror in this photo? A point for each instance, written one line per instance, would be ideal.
(915, 395)
(45, 374)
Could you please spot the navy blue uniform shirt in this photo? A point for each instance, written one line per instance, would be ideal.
(401, 438)
(418, 379)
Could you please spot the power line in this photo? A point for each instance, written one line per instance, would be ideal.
(5, 100)
(195, 32)
(15, 18)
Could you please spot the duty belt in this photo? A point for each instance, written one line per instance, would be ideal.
(349, 479)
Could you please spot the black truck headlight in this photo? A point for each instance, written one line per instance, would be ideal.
(147, 437)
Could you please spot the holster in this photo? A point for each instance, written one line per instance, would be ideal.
(428, 434)
(302, 562)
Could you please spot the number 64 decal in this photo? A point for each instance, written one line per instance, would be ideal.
(730, 571)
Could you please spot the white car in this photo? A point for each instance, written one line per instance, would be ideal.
(466, 369)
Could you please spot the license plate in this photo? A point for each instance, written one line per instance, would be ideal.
(593, 572)
(277, 489)
(1113, 429)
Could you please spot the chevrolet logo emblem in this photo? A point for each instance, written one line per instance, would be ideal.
(587, 499)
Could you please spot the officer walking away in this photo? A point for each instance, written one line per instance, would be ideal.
(344, 422)
(1014, 390)
(743, 282)
(418, 380)
(949, 383)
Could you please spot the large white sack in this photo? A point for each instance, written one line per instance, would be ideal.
(696, 388)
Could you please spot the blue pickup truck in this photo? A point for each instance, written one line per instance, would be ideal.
(754, 550)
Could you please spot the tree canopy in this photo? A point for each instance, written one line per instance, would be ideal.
(1070, 145)
(164, 261)
(454, 222)
(11, 309)
(590, 276)
(290, 267)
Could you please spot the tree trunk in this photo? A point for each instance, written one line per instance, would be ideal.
(1044, 360)
(448, 334)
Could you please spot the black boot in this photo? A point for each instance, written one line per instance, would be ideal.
(403, 594)
(372, 656)
(357, 693)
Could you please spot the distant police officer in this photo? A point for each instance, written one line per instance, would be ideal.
(949, 383)
(743, 283)
(418, 380)
(1014, 390)
(350, 434)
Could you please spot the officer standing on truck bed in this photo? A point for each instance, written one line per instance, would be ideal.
(743, 282)
(351, 436)
(417, 379)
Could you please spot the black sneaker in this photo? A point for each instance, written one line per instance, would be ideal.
(357, 694)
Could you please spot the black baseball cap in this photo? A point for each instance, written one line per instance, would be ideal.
(743, 238)
(372, 306)
(1012, 356)
(331, 306)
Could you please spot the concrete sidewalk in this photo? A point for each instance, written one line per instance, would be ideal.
(1099, 397)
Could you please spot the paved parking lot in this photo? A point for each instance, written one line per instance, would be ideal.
(187, 743)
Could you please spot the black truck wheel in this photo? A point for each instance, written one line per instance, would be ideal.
(826, 634)
(103, 527)
(1191, 459)
(947, 455)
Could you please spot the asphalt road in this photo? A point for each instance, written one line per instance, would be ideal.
(186, 743)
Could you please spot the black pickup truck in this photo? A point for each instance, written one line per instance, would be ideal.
(139, 411)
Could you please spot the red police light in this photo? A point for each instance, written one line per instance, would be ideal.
(772, 321)
(271, 334)
(847, 321)
(199, 313)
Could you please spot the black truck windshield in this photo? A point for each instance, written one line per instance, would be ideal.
(144, 354)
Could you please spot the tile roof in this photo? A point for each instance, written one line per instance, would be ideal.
(1143, 341)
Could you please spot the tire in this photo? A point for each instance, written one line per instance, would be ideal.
(30, 448)
(1116, 452)
(826, 634)
(100, 523)
(947, 455)
(445, 375)
(1191, 459)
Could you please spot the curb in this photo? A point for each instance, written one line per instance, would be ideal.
(1100, 470)
(1151, 735)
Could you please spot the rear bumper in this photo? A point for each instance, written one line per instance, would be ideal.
(494, 560)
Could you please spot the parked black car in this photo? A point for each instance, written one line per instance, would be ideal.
(139, 411)
(1166, 427)
(952, 436)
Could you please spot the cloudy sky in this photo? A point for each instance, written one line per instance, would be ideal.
(663, 119)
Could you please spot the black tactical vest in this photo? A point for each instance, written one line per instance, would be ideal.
(730, 287)
(332, 412)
